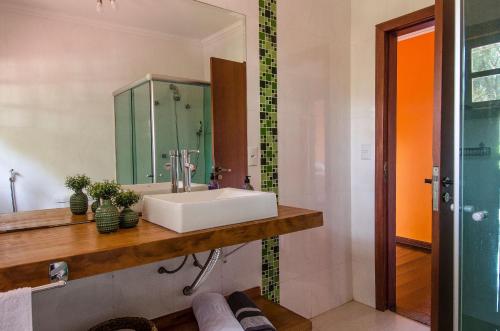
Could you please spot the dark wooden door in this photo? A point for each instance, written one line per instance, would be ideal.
(443, 156)
(229, 121)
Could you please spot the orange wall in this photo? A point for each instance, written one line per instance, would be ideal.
(414, 137)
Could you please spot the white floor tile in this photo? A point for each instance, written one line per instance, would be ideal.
(356, 316)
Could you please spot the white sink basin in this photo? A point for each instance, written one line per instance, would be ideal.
(157, 188)
(183, 212)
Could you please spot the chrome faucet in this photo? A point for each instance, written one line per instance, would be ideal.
(188, 168)
(173, 167)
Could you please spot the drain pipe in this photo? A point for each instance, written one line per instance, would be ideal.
(12, 179)
(205, 271)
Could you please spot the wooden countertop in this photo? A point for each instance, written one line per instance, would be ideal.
(26, 255)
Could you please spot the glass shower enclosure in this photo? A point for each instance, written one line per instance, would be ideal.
(155, 115)
(479, 237)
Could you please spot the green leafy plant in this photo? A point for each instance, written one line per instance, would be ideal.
(105, 190)
(126, 198)
(77, 182)
(94, 190)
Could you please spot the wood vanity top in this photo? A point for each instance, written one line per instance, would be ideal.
(26, 255)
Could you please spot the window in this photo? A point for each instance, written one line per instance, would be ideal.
(484, 66)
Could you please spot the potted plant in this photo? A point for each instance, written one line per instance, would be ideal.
(78, 202)
(94, 191)
(106, 215)
(128, 217)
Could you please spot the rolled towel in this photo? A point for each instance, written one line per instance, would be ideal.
(213, 313)
(15, 310)
(248, 314)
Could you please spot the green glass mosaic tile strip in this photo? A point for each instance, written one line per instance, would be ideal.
(269, 137)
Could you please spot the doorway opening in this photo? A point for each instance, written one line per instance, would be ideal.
(413, 199)
(406, 124)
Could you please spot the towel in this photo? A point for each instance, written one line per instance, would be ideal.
(15, 310)
(213, 313)
(248, 314)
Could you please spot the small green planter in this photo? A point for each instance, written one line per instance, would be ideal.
(128, 218)
(79, 203)
(95, 205)
(107, 217)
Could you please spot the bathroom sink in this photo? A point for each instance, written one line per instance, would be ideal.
(183, 212)
(157, 188)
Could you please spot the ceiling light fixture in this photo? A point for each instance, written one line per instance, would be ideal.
(100, 4)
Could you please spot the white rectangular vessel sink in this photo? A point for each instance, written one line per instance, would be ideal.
(157, 188)
(183, 212)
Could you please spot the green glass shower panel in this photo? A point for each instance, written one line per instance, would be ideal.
(179, 124)
(123, 138)
(207, 133)
(480, 167)
(142, 140)
(164, 128)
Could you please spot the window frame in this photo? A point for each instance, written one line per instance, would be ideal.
(491, 35)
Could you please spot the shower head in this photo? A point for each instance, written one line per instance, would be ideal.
(176, 94)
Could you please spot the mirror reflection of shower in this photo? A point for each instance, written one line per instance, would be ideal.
(176, 96)
(179, 118)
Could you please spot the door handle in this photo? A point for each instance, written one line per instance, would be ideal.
(220, 169)
(428, 181)
(480, 216)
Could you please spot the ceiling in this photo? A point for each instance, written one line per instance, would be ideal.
(185, 18)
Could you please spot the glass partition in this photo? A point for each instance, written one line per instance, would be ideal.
(480, 167)
(179, 119)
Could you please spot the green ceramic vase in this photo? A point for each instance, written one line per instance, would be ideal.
(128, 218)
(95, 205)
(107, 217)
(79, 203)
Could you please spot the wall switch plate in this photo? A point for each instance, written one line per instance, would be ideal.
(366, 152)
(253, 156)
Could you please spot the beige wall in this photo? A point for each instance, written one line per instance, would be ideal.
(365, 14)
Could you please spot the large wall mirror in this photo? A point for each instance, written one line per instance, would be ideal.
(109, 88)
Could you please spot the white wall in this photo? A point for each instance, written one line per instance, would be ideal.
(56, 103)
(365, 14)
(313, 137)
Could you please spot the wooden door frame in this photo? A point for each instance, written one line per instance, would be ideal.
(385, 148)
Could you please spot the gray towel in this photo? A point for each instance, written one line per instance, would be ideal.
(248, 314)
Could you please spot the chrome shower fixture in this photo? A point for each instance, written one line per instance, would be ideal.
(175, 90)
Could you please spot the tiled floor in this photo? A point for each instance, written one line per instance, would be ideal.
(355, 316)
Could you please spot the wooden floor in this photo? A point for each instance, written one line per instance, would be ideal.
(413, 283)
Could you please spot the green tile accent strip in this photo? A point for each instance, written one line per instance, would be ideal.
(269, 138)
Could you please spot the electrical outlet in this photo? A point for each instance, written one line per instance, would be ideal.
(366, 152)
